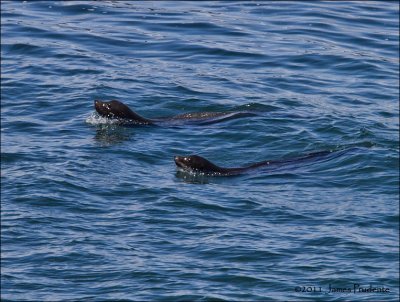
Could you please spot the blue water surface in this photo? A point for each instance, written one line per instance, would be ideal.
(95, 211)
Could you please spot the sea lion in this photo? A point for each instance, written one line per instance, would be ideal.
(125, 116)
(198, 164)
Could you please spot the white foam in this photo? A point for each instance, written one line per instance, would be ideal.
(95, 119)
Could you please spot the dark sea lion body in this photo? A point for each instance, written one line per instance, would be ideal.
(198, 164)
(121, 112)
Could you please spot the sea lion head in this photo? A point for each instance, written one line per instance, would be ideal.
(196, 163)
(113, 109)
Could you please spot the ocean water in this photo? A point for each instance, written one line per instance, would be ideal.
(94, 211)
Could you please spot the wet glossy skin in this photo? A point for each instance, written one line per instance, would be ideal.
(198, 164)
(118, 110)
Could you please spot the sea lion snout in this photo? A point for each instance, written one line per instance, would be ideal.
(98, 104)
(179, 161)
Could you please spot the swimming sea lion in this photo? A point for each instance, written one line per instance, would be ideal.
(121, 112)
(198, 164)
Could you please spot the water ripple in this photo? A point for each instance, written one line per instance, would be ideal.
(92, 210)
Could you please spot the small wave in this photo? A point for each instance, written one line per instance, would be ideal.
(256, 107)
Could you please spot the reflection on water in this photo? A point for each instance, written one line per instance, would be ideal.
(107, 135)
(193, 178)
